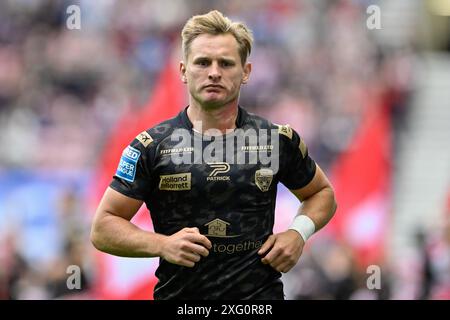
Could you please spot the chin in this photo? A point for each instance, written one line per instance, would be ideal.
(212, 104)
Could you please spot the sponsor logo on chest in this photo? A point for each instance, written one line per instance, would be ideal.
(175, 182)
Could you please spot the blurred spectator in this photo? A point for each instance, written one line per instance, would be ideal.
(436, 273)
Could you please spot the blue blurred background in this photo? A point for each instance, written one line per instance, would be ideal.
(373, 105)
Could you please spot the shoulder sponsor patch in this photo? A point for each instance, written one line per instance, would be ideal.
(128, 163)
(285, 130)
(145, 138)
(303, 148)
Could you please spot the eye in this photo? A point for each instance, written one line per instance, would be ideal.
(202, 62)
(226, 64)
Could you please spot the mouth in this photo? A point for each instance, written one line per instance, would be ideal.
(213, 86)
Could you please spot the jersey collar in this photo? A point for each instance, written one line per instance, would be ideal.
(240, 120)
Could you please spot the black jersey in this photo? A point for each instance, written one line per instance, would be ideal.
(187, 180)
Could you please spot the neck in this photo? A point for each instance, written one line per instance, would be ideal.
(218, 120)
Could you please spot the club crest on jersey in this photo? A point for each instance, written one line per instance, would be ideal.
(263, 179)
(127, 165)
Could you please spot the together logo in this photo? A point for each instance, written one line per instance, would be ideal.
(217, 228)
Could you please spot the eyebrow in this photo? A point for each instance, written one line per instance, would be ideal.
(225, 59)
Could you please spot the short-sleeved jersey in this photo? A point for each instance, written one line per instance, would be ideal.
(187, 180)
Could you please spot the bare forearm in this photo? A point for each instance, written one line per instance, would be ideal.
(320, 207)
(120, 237)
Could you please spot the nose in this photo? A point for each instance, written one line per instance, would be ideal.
(214, 73)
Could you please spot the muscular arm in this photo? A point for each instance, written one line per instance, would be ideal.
(113, 233)
(284, 249)
(317, 199)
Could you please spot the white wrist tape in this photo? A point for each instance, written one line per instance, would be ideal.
(303, 225)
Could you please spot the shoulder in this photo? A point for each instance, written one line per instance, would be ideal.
(258, 122)
(152, 137)
(255, 121)
(289, 138)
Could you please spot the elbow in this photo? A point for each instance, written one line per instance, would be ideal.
(96, 236)
(334, 203)
(331, 200)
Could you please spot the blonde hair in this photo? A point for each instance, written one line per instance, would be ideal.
(215, 23)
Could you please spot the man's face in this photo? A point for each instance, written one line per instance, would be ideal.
(213, 70)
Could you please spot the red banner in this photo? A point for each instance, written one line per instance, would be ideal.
(361, 177)
(126, 278)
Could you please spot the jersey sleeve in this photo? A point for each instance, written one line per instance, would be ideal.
(297, 168)
(133, 174)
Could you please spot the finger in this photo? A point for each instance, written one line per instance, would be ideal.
(277, 259)
(285, 268)
(182, 262)
(280, 265)
(205, 241)
(186, 263)
(271, 256)
(192, 230)
(198, 249)
(200, 239)
(190, 256)
(267, 245)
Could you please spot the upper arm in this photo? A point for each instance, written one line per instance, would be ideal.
(318, 183)
(117, 204)
(297, 168)
(132, 182)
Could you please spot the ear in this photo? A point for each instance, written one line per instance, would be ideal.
(183, 72)
(247, 71)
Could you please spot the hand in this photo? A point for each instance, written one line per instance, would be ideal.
(185, 247)
(284, 249)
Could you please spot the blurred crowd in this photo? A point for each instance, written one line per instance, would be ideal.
(315, 66)
(329, 270)
(24, 275)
